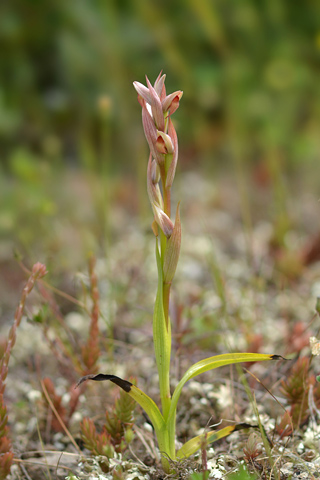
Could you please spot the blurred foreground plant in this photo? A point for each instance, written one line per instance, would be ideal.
(157, 109)
(6, 454)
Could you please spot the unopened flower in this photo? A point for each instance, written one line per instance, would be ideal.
(172, 168)
(163, 221)
(159, 86)
(156, 201)
(171, 102)
(164, 143)
(150, 131)
(155, 172)
(153, 188)
(156, 107)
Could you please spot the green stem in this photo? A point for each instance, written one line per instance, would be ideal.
(167, 201)
(166, 438)
(166, 300)
(162, 342)
(171, 428)
(166, 449)
(167, 210)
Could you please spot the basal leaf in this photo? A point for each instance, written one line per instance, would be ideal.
(193, 445)
(201, 441)
(210, 364)
(138, 395)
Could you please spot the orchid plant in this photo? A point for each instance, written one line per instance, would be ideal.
(157, 110)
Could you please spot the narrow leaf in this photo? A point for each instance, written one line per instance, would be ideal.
(210, 364)
(138, 395)
(201, 441)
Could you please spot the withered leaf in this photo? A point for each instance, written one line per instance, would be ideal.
(100, 377)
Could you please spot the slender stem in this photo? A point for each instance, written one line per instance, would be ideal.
(165, 386)
(171, 429)
(167, 210)
(162, 342)
(166, 300)
(167, 200)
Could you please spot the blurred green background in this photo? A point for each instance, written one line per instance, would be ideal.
(71, 139)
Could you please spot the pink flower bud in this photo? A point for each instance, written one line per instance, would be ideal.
(155, 172)
(150, 132)
(164, 143)
(153, 188)
(159, 86)
(156, 107)
(172, 168)
(171, 102)
(163, 221)
(143, 92)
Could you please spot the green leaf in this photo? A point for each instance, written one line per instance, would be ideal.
(148, 406)
(210, 364)
(138, 395)
(201, 441)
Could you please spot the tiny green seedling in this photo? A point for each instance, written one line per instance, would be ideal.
(157, 109)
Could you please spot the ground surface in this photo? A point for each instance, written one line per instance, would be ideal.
(236, 289)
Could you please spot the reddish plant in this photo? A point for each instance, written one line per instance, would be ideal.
(91, 350)
(6, 454)
(296, 389)
(116, 433)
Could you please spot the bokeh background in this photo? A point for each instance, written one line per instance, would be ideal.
(73, 155)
